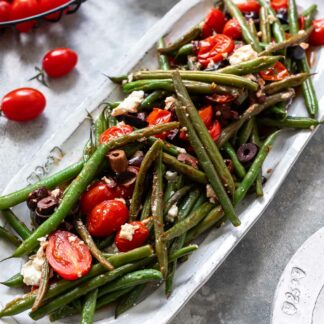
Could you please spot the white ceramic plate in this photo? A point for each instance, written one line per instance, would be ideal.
(217, 244)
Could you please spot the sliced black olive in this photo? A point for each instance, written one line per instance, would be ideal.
(282, 15)
(127, 178)
(47, 205)
(35, 196)
(132, 120)
(246, 152)
(296, 52)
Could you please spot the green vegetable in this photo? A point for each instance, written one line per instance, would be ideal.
(43, 286)
(265, 25)
(9, 237)
(150, 100)
(293, 17)
(290, 122)
(16, 281)
(16, 224)
(89, 307)
(238, 167)
(175, 198)
(163, 59)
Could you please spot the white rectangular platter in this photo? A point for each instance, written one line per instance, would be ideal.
(217, 244)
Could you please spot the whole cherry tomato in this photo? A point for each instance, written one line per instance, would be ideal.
(23, 9)
(159, 116)
(317, 35)
(115, 132)
(214, 49)
(5, 11)
(59, 62)
(215, 130)
(233, 29)
(279, 4)
(23, 104)
(214, 22)
(206, 114)
(136, 238)
(68, 255)
(276, 73)
(107, 218)
(46, 5)
(249, 6)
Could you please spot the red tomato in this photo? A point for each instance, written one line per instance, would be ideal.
(279, 4)
(159, 116)
(317, 35)
(59, 62)
(214, 22)
(249, 6)
(46, 5)
(206, 114)
(5, 11)
(115, 132)
(68, 255)
(233, 29)
(276, 73)
(23, 104)
(107, 218)
(302, 22)
(23, 9)
(214, 49)
(140, 235)
(215, 130)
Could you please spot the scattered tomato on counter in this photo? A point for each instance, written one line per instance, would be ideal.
(5, 11)
(23, 9)
(46, 5)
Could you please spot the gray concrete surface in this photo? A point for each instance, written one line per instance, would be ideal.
(241, 290)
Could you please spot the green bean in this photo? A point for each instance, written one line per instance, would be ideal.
(16, 224)
(65, 311)
(258, 185)
(183, 252)
(111, 297)
(101, 124)
(186, 49)
(86, 237)
(185, 169)
(171, 187)
(146, 211)
(88, 149)
(89, 307)
(248, 37)
(43, 286)
(128, 301)
(118, 79)
(163, 59)
(278, 111)
(252, 28)
(166, 84)
(265, 26)
(309, 15)
(167, 147)
(179, 194)
(9, 237)
(290, 122)
(149, 158)
(203, 136)
(150, 100)
(229, 131)
(51, 182)
(238, 167)
(293, 17)
(79, 185)
(201, 76)
(15, 281)
(252, 66)
(201, 199)
(254, 169)
(186, 38)
(245, 131)
(293, 40)
(105, 242)
(157, 213)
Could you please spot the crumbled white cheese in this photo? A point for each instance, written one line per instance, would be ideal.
(172, 213)
(32, 269)
(129, 104)
(72, 238)
(181, 150)
(210, 193)
(130, 77)
(259, 33)
(301, 32)
(243, 54)
(171, 176)
(169, 102)
(127, 231)
(122, 200)
(183, 129)
(304, 45)
(56, 193)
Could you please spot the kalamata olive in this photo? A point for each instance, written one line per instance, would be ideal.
(39, 218)
(47, 205)
(127, 178)
(282, 15)
(35, 196)
(246, 152)
(229, 164)
(132, 120)
(188, 159)
(296, 52)
(136, 159)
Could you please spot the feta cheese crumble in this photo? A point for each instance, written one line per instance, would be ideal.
(169, 102)
(129, 104)
(210, 193)
(243, 54)
(172, 213)
(127, 231)
(171, 176)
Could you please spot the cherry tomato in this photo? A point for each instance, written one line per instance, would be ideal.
(249, 6)
(159, 116)
(317, 35)
(23, 9)
(302, 22)
(214, 49)
(107, 218)
(279, 4)
(214, 22)
(68, 255)
(23, 104)
(115, 132)
(276, 73)
(233, 29)
(215, 130)
(46, 5)
(206, 114)
(59, 62)
(140, 235)
(5, 11)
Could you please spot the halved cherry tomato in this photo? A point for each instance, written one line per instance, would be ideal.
(5, 11)
(279, 4)
(276, 73)
(68, 255)
(115, 132)
(249, 6)
(107, 218)
(214, 22)
(233, 29)
(59, 62)
(206, 114)
(214, 49)
(46, 5)
(215, 130)
(23, 104)
(23, 9)
(317, 35)
(159, 116)
(138, 238)
(302, 22)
